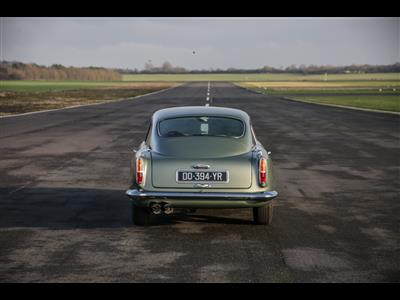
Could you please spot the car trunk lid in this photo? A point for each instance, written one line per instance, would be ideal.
(238, 168)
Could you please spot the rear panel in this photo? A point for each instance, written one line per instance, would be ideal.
(238, 168)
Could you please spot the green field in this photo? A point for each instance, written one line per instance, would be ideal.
(356, 91)
(321, 85)
(27, 96)
(260, 77)
(376, 91)
(384, 103)
(47, 85)
(274, 81)
(385, 97)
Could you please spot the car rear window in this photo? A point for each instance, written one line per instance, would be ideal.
(201, 126)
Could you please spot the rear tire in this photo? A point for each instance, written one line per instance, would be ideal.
(140, 215)
(263, 215)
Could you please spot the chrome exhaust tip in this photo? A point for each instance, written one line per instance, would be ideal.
(168, 210)
(156, 208)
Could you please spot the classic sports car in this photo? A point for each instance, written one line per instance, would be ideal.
(201, 157)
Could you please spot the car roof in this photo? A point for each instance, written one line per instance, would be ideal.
(183, 111)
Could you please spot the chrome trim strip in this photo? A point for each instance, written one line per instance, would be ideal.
(190, 195)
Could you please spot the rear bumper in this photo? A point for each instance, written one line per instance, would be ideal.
(201, 199)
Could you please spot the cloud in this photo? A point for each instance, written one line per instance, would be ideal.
(218, 42)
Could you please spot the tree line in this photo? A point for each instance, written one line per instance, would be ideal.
(168, 68)
(32, 71)
(22, 71)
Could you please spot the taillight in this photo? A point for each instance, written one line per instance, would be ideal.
(139, 171)
(263, 171)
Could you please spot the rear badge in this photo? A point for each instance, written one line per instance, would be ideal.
(202, 185)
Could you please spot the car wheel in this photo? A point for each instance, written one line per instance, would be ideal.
(263, 215)
(140, 215)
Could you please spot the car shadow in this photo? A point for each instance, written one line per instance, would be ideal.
(68, 208)
(200, 218)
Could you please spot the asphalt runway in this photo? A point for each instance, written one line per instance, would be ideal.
(64, 216)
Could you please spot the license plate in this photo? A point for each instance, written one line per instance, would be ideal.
(201, 176)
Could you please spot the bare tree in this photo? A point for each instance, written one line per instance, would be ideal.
(166, 67)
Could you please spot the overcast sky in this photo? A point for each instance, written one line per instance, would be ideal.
(217, 42)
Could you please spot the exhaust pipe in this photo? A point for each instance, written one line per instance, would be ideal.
(167, 209)
(155, 208)
(159, 208)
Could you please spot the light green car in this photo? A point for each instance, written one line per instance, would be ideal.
(201, 157)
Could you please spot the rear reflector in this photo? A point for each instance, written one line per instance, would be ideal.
(139, 171)
(263, 171)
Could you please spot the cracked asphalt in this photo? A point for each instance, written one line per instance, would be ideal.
(64, 216)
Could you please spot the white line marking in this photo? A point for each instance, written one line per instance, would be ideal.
(18, 189)
(208, 94)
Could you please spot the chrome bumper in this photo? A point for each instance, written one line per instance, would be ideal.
(202, 195)
(202, 199)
